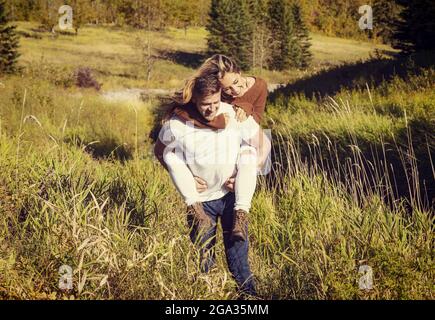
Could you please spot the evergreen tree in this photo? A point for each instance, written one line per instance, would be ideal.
(230, 31)
(416, 28)
(261, 35)
(283, 47)
(243, 30)
(218, 19)
(8, 43)
(302, 55)
(275, 13)
(385, 15)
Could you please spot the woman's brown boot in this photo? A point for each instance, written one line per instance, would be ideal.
(240, 224)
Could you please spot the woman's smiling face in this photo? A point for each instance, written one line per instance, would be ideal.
(233, 84)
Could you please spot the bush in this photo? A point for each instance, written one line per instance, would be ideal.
(85, 79)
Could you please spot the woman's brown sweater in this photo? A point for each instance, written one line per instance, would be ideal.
(254, 100)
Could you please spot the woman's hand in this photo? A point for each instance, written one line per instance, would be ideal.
(201, 185)
(230, 184)
(240, 114)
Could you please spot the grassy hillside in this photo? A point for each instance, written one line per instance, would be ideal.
(116, 55)
(79, 185)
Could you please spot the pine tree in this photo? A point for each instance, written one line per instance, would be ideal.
(385, 14)
(230, 30)
(416, 28)
(218, 18)
(275, 12)
(8, 43)
(243, 30)
(283, 46)
(302, 56)
(261, 36)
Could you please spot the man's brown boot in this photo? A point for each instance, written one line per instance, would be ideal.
(197, 215)
(240, 223)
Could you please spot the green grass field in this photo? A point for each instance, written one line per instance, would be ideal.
(116, 57)
(351, 185)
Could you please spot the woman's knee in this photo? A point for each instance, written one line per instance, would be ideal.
(247, 156)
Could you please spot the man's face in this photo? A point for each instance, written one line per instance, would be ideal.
(208, 106)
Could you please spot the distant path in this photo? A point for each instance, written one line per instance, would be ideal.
(136, 94)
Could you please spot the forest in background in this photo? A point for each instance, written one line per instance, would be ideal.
(332, 18)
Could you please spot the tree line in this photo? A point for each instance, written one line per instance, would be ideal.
(270, 34)
(155, 14)
(330, 17)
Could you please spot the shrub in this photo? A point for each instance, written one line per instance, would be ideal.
(85, 79)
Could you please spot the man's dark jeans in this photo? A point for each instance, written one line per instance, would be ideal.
(236, 251)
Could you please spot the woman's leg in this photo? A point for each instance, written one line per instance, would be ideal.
(182, 177)
(246, 177)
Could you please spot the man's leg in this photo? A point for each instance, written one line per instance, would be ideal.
(205, 239)
(236, 251)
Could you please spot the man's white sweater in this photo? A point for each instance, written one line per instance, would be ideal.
(209, 154)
